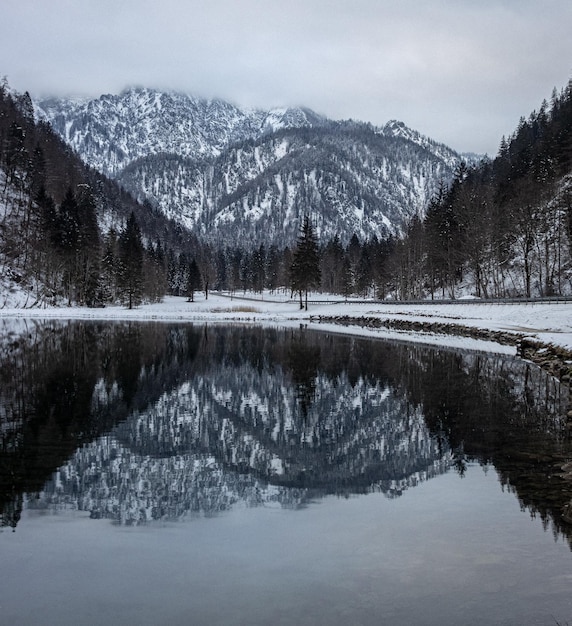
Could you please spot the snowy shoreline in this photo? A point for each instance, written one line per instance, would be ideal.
(546, 323)
(540, 332)
(542, 322)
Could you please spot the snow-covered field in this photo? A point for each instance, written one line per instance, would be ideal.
(548, 323)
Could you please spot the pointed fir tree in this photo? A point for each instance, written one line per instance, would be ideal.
(194, 281)
(131, 263)
(68, 243)
(89, 253)
(305, 269)
(109, 268)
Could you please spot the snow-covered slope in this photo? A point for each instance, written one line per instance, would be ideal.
(111, 131)
(348, 177)
(234, 174)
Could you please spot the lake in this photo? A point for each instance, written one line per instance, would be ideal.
(159, 473)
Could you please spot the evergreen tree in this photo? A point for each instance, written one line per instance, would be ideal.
(89, 251)
(67, 239)
(258, 269)
(273, 268)
(305, 269)
(109, 268)
(331, 266)
(131, 263)
(194, 282)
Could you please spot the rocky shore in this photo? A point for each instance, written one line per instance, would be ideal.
(554, 359)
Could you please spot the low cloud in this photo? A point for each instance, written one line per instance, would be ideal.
(460, 72)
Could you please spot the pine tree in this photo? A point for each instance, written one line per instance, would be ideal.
(305, 269)
(194, 282)
(131, 263)
(109, 268)
(67, 239)
(89, 251)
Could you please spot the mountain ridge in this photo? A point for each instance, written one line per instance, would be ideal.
(185, 155)
(160, 121)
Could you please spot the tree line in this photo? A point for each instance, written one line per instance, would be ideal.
(67, 233)
(503, 227)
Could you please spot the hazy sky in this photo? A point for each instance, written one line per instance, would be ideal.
(460, 71)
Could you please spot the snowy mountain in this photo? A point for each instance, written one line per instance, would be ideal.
(112, 131)
(233, 174)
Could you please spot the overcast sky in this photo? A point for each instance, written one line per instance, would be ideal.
(460, 71)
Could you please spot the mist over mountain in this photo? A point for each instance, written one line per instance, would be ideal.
(113, 130)
(227, 173)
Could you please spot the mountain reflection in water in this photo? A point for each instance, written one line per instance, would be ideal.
(149, 421)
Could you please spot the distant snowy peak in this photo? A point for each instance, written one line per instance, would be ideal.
(395, 128)
(111, 131)
(277, 119)
(236, 174)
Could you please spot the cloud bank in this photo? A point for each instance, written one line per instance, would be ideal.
(461, 72)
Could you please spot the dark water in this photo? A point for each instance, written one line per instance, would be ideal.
(164, 474)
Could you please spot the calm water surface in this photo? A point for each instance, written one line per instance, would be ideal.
(182, 474)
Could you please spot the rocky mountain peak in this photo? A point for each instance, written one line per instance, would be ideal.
(226, 172)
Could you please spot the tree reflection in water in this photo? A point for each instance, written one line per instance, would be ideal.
(143, 421)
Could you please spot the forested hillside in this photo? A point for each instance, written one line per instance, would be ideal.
(350, 177)
(231, 174)
(67, 233)
(504, 227)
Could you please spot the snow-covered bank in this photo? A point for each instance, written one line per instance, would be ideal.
(546, 323)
